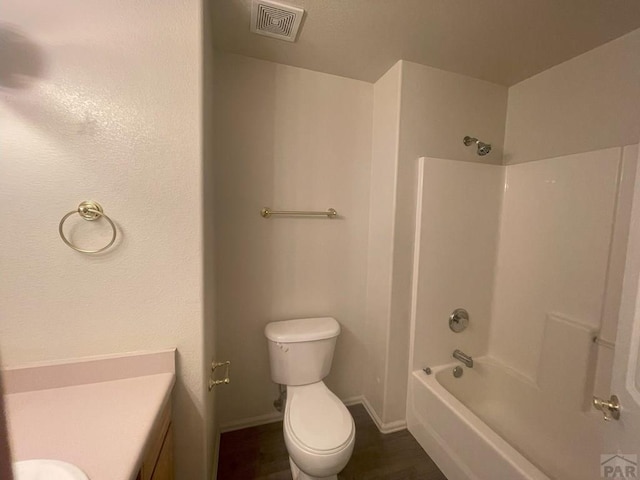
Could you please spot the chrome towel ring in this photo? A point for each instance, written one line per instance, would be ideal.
(90, 211)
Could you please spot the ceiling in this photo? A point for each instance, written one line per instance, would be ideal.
(502, 41)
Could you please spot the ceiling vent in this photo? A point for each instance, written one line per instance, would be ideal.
(275, 19)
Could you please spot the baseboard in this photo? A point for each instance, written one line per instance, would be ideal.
(352, 400)
(388, 427)
(251, 422)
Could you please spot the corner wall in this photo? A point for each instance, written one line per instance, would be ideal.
(437, 109)
(384, 165)
(590, 102)
(289, 139)
(103, 101)
(575, 116)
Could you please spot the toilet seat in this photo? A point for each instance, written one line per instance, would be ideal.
(317, 421)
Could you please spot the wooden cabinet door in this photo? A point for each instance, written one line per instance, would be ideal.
(164, 464)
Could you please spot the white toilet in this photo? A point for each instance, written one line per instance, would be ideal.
(318, 429)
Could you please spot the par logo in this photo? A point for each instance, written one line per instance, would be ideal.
(619, 465)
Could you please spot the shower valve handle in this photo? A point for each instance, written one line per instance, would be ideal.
(610, 409)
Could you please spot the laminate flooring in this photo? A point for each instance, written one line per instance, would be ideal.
(259, 453)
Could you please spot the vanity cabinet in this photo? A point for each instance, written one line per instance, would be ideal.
(113, 426)
(157, 462)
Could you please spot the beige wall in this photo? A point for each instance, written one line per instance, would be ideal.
(113, 115)
(289, 139)
(384, 165)
(209, 333)
(440, 108)
(588, 103)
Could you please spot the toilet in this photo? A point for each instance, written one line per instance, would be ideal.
(319, 431)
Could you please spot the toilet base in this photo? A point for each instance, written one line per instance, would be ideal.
(298, 474)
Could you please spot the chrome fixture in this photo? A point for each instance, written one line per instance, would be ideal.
(458, 320)
(266, 212)
(483, 148)
(463, 357)
(427, 370)
(457, 371)
(89, 211)
(610, 409)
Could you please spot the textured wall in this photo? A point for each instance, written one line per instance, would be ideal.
(290, 139)
(102, 101)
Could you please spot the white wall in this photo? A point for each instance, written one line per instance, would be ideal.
(458, 248)
(590, 102)
(290, 139)
(102, 101)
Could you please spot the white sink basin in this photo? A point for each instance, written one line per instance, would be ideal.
(47, 470)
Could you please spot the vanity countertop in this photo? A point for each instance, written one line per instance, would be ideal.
(103, 425)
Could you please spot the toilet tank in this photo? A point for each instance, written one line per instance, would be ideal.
(301, 350)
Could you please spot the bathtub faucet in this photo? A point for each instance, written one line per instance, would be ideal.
(463, 357)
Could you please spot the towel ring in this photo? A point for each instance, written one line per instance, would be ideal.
(90, 211)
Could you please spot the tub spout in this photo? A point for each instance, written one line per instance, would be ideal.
(463, 357)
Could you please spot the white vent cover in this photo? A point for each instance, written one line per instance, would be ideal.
(275, 19)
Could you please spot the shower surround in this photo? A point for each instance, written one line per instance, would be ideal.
(535, 252)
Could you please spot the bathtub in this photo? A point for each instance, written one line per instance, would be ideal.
(493, 424)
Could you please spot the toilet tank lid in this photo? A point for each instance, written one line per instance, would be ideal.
(302, 330)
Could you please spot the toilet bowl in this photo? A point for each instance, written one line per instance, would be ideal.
(319, 431)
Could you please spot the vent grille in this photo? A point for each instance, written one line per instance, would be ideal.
(275, 19)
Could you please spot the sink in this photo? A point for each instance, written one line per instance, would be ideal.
(42, 469)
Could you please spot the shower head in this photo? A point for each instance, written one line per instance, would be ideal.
(483, 148)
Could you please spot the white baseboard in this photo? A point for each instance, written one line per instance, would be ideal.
(251, 422)
(389, 427)
(352, 400)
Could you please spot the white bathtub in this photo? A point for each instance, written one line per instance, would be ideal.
(492, 424)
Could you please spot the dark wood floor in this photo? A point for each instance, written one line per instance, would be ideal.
(260, 453)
